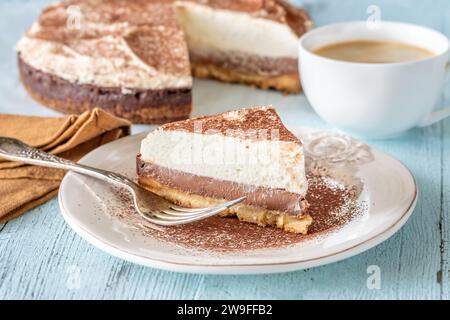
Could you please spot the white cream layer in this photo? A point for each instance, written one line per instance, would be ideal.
(209, 29)
(124, 70)
(272, 164)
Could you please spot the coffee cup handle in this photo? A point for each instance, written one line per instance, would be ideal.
(439, 115)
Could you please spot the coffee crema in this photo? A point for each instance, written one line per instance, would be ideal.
(368, 51)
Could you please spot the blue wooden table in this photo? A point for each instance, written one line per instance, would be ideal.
(41, 257)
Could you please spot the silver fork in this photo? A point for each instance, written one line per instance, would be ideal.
(149, 205)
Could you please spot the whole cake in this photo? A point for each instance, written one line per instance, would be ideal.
(249, 152)
(132, 57)
(127, 57)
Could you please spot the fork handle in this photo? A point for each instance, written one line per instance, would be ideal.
(16, 150)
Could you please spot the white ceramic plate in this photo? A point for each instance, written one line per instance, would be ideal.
(388, 190)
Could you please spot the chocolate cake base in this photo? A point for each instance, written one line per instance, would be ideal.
(139, 106)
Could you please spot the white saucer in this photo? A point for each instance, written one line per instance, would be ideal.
(389, 192)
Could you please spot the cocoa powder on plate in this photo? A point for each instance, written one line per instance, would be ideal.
(332, 205)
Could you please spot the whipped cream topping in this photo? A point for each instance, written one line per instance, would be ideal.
(135, 46)
(209, 28)
(272, 164)
(123, 69)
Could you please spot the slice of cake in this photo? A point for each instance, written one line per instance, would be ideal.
(127, 57)
(246, 41)
(248, 152)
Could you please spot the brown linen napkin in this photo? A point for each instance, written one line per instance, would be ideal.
(23, 187)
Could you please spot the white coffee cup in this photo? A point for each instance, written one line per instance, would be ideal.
(374, 100)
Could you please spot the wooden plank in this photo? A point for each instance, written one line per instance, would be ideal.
(444, 275)
(42, 257)
(445, 213)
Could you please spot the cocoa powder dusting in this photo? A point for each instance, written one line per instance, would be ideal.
(332, 205)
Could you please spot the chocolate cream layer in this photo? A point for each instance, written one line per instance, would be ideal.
(52, 87)
(244, 63)
(263, 197)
